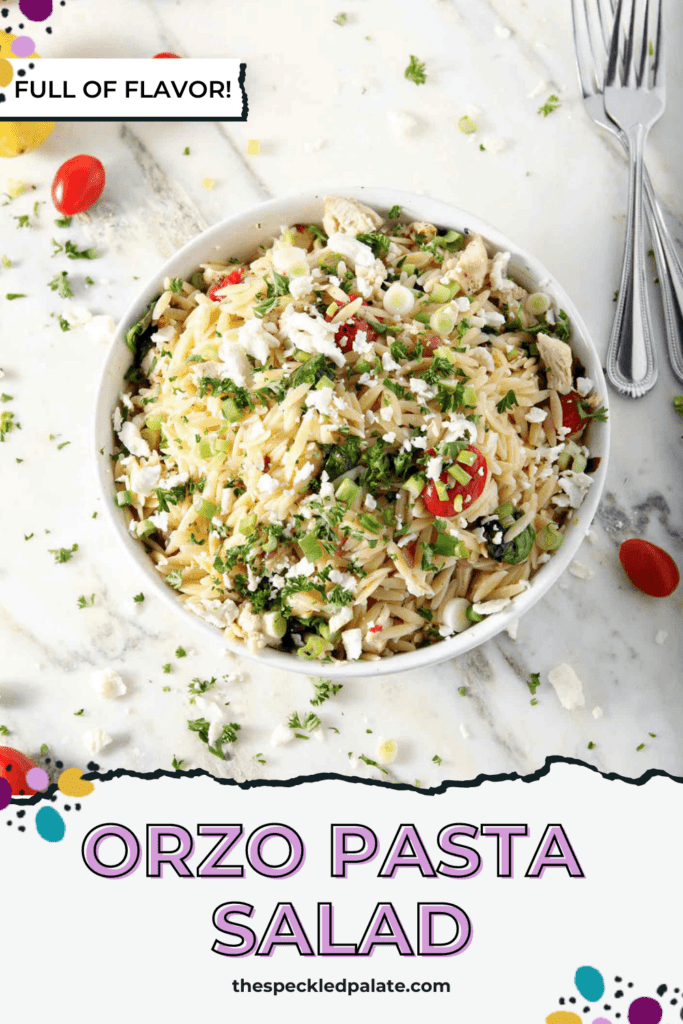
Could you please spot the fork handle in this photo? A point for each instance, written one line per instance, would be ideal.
(631, 365)
(670, 278)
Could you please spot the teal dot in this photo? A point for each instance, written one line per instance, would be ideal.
(50, 824)
(590, 983)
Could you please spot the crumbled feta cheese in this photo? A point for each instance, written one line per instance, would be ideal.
(581, 571)
(389, 363)
(108, 683)
(253, 339)
(344, 580)
(502, 31)
(359, 253)
(320, 400)
(311, 334)
(370, 502)
(268, 484)
(144, 479)
(500, 282)
(96, 740)
(281, 736)
(464, 731)
(575, 485)
(536, 415)
(403, 124)
(597, 713)
(302, 568)
(353, 643)
(386, 412)
(491, 607)
(235, 363)
(160, 520)
(494, 146)
(216, 613)
(340, 619)
(434, 468)
(133, 440)
(661, 637)
(302, 475)
(584, 385)
(369, 279)
(567, 686)
(300, 285)
(390, 437)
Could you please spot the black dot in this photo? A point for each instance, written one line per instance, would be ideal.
(54, 799)
(21, 792)
(661, 990)
(8, 768)
(586, 1009)
(9, 821)
(5, 12)
(617, 979)
(607, 1006)
(617, 1015)
(630, 984)
(49, 31)
(92, 767)
(618, 994)
(571, 999)
(676, 990)
(59, 764)
(8, 29)
(67, 807)
(562, 1001)
(21, 26)
(673, 1002)
(21, 72)
(20, 814)
(31, 66)
(22, 828)
(78, 807)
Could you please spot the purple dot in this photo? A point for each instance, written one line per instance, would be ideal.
(23, 46)
(36, 10)
(601, 1020)
(645, 1011)
(37, 778)
(5, 793)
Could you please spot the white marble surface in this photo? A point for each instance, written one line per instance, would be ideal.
(558, 187)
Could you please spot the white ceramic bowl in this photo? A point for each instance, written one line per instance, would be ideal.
(239, 235)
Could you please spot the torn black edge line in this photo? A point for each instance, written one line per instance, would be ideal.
(300, 780)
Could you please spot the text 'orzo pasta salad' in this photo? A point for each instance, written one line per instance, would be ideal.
(357, 444)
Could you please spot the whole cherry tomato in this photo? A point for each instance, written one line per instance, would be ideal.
(649, 568)
(78, 184)
(13, 767)
(235, 277)
(468, 492)
(571, 415)
(176, 55)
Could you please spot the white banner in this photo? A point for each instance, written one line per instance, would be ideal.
(126, 89)
(337, 897)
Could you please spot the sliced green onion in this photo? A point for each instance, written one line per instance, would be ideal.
(467, 125)
(313, 648)
(445, 545)
(538, 303)
(301, 356)
(327, 634)
(441, 490)
(579, 463)
(231, 411)
(459, 474)
(310, 545)
(331, 310)
(467, 457)
(347, 491)
(197, 280)
(124, 498)
(409, 269)
(472, 615)
(443, 292)
(469, 397)
(363, 366)
(324, 382)
(146, 528)
(207, 509)
(270, 545)
(512, 354)
(457, 503)
(442, 321)
(398, 299)
(444, 352)
(369, 522)
(222, 444)
(563, 460)
(154, 421)
(448, 239)
(550, 538)
(298, 269)
(248, 524)
(274, 625)
(505, 514)
(414, 485)
(205, 449)
(423, 318)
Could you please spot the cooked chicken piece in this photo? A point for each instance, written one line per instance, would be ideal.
(502, 287)
(471, 266)
(557, 357)
(349, 216)
(420, 227)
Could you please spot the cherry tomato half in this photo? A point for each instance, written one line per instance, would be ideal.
(571, 416)
(176, 55)
(348, 329)
(469, 492)
(649, 568)
(235, 277)
(13, 767)
(78, 184)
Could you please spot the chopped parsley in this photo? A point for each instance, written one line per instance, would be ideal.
(378, 242)
(63, 222)
(186, 151)
(4, 731)
(373, 764)
(550, 105)
(177, 764)
(594, 414)
(591, 745)
(533, 682)
(64, 324)
(71, 252)
(309, 722)
(175, 579)
(60, 284)
(437, 760)
(180, 652)
(415, 72)
(23, 221)
(14, 295)
(228, 735)
(176, 285)
(63, 554)
(259, 758)
(86, 602)
(340, 19)
(79, 713)
(507, 401)
(199, 686)
(43, 749)
(166, 668)
(274, 291)
(8, 398)
(324, 689)
(7, 424)
(139, 598)
(394, 212)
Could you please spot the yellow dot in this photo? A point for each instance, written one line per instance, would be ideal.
(563, 1017)
(71, 783)
(6, 72)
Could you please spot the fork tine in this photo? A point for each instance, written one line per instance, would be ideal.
(585, 63)
(612, 65)
(644, 46)
(629, 67)
(660, 55)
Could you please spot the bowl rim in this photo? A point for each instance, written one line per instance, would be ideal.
(452, 647)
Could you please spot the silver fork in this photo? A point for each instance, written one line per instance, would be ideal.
(635, 101)
(591, 45)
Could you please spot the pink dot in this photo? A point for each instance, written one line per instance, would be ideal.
(645, 1011)
(5, 793)
(37, 778)
(23, 46)
(601, 1020)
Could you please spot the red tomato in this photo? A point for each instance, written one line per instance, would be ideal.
(348, 329)
(235, 277)
(649, 568)
(571, 417)
(13, 767)
(469, 492)
(78, 184)
(176, 55)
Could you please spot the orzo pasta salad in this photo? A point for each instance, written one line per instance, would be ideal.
(355, 444)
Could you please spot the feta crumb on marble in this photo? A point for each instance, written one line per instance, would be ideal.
(108, 683)
(581, 571)
(597, 713)
(281, 736)
(661, 637)
(512, 629)
(403, 124)
(96, 740)
(567, 686)
(464, 731)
